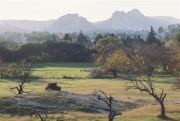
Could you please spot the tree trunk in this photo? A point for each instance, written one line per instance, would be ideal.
(111, 116)
(164, 67)
(20, 91)
(111, 119)
(163, 112)
(114, 73)
(150, 71)
(111, 113)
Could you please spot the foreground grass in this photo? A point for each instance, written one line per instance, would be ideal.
(114, 87)
(79, 83)
(145, 113)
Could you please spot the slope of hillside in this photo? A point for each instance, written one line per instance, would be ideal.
(70, 23)
(134, 20)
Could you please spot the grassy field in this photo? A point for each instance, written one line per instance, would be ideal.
(69, 77)
(60, 70)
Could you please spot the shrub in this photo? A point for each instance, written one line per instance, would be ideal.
(53, 87)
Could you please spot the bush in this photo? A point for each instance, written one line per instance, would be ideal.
(68, 77)
(96, 75)
(53, 87)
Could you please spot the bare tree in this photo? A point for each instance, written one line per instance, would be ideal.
(39, 114)
(60, 118)
(146, 85)
(108, 100)
(43, 116)
(23, 72)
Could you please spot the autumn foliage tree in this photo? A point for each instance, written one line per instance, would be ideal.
(173, 54)
(118, 61)
(106, 49)
(151, 57)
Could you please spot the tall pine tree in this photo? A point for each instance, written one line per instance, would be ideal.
(82, 39)
(151, 37)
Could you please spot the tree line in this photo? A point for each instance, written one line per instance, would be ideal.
(48, 51)
(118, 56)
(107, 51)
(51, 49)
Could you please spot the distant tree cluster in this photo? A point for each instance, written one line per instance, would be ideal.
(170, 31)
(48, 47)
(116, 56)
(48, 51)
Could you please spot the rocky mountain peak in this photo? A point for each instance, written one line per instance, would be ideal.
(118, 14)
(134, 12)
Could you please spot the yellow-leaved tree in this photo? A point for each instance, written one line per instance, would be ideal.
(173, 47)
(116, 62)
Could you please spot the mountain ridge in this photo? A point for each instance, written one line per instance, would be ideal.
(70, 23)
(132, 20)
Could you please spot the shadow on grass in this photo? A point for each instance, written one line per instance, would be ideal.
(57, 101)
(39, 79)
(8, 80)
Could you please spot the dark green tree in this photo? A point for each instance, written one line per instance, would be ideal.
(151, 37)
(98, 37)
(177, 37)
(160, 30)
(8, 44)
(5, 54)
(83, 40)
(30, 51)
(67, 37)
(63, 51)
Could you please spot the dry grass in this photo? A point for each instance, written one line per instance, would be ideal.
(115, 87)
(152, 110)
(15, 118)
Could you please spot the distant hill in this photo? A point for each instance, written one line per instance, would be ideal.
(28, 25)
(70, 23)
(4, 27)
(133, 20)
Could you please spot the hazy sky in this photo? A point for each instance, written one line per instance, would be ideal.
(93, 10)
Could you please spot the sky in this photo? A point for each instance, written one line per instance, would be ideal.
(93, 10)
